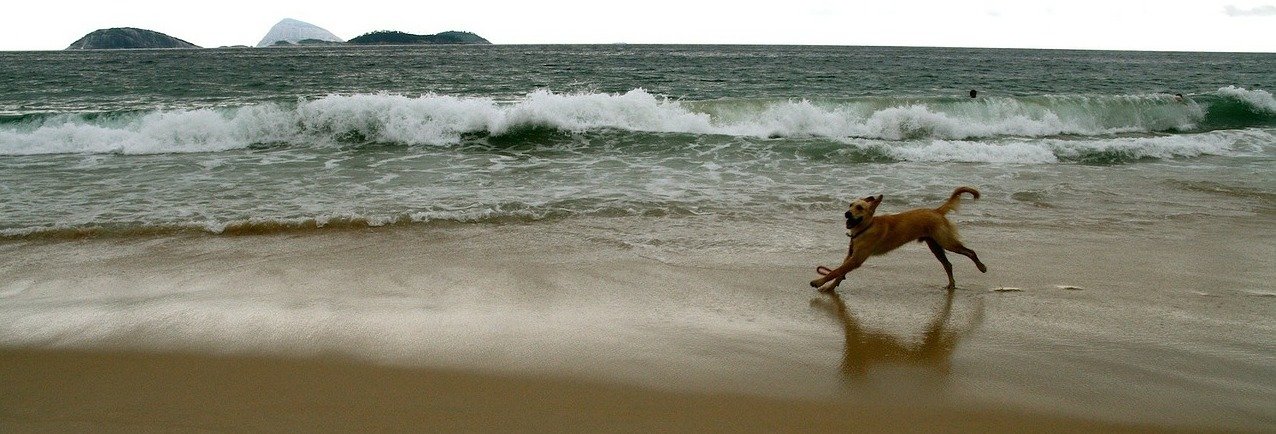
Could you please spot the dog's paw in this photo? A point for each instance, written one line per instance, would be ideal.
(827, 287)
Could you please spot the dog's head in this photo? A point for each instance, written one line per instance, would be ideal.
(861, 211)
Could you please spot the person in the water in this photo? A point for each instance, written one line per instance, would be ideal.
(973, 93)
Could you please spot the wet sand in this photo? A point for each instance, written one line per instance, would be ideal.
(131, 392)
(453, 328)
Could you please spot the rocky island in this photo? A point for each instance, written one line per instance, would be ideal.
(127, 38)
(286, 33)
(391, 37)
(293, 32)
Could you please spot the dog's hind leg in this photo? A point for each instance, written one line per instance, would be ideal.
(943, 259)
(962, 250)
(947, 238)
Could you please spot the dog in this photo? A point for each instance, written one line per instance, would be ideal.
(873, 235)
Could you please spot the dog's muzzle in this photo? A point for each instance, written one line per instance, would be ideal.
(852, 221)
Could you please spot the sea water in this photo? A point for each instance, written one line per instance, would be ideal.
(124, 143)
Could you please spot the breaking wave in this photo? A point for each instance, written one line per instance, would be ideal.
(441, 120)
(1114, 150)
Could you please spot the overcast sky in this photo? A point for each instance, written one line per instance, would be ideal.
(1186, 25)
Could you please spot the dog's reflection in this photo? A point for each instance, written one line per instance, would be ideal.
(866, 348)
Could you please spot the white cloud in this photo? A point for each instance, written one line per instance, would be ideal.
(1257, 11)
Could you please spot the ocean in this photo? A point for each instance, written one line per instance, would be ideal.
(650, 215)
(227, 141)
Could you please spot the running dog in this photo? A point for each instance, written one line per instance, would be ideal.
(873, 235)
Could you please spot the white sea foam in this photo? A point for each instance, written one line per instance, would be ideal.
(1162, 147)
(635, 110)
(1049, 150)
(443, 120)
(974, 152)
(202, 130)
(990, 117)
(1260, 99)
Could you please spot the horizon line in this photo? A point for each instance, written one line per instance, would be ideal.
(342, 45)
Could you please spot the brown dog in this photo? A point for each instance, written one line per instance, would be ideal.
(876, 235)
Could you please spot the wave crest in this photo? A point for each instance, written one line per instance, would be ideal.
(1258, 100)
(432, 120)
(1111, 150)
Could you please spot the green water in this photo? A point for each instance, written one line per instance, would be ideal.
(147, 79)
(207, 141)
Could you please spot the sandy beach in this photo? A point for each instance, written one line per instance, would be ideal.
(452, 327)
(619, 238)
(58, 391)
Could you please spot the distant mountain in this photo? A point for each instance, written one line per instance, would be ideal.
(293, 32)
(305, 43)
(126, 38)
(392, 37)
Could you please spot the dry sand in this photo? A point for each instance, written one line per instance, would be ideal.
(455, 328)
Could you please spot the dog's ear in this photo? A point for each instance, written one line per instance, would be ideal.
(873, 203)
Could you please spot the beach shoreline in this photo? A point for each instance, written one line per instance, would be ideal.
(1150, 334)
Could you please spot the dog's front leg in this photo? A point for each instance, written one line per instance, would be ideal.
(829, 287)
(824, 271)
(837, 275)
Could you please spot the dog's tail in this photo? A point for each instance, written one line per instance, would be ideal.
(955, 200)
